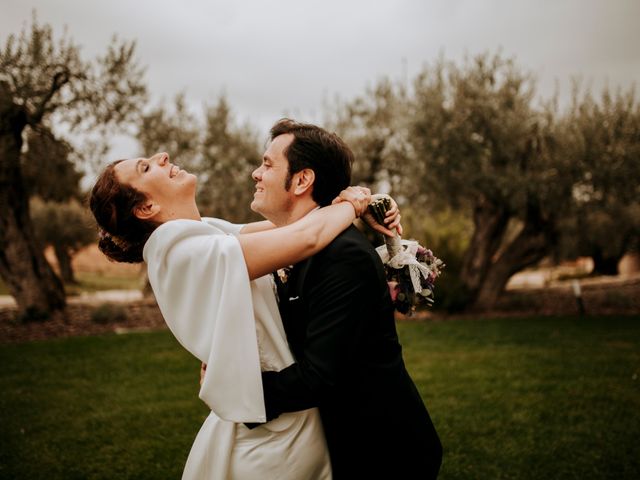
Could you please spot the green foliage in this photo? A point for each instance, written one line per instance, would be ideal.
(447, 233)
(174, 130)
(48, 169)
(527, 398)
(49, 77)
(44, 83)
(467, 138)
(481, 139)
(221, 153)
(230, 153)
(67, 225)
(375, 126)
(109, 313)
(602, 139)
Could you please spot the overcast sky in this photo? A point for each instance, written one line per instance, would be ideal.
(272, 57)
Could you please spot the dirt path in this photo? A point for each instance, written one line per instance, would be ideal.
(600, 296)
(88, 298)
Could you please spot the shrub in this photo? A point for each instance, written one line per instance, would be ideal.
(108, 313)
(447, 234)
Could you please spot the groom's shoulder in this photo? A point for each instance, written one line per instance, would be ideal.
(350, 236)
(352, 254)
(351, 242)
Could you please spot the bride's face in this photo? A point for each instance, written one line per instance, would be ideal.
(162, 182)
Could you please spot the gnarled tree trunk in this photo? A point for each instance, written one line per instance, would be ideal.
(488, 264)
(64, 262)
(23, 267)
(490, 222)
(528, 248)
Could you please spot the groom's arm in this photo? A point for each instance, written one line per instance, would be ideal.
(337, 293)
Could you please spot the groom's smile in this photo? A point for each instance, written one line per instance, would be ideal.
(271, 199)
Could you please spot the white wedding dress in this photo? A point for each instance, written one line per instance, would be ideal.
(200, 280)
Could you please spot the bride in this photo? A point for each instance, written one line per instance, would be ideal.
(212, 284)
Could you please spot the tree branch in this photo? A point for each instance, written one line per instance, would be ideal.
(59, 80)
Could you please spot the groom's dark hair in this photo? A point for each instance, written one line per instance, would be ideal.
(323, 152)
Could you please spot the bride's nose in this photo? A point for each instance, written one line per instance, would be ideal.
(163, 158)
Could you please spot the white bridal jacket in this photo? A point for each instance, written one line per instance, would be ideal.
(200, 281)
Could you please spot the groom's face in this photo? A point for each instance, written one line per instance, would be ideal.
(271, 199)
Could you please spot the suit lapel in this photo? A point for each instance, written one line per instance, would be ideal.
(299, 274)
(292, 307)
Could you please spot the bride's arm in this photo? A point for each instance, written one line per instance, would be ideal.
(269, 250)
(254, 227)
(392, 221)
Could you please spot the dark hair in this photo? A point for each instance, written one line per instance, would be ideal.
(323, 152)
(122, 234)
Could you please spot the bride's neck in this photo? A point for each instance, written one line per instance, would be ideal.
(184, 212)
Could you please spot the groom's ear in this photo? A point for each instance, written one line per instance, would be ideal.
(146, 210)
(303, 181)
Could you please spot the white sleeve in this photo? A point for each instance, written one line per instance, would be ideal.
(201, 284)
(225, 226)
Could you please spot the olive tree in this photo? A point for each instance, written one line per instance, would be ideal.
(487, 149)
(602, 136)
(66, 227)
(41, 80)
(230, 152)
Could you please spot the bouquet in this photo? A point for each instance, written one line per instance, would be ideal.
(411, 269)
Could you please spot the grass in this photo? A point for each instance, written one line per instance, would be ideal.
(98, 408)
(536, 398)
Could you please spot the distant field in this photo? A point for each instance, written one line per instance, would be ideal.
(527, 398)
(90, 259)
(95, 272)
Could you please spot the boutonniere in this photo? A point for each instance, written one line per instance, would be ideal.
(283, 274)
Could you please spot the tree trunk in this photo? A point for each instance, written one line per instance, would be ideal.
(490, 223)
(31, 281)
(64, 262)
(528, 248)
(604, 265)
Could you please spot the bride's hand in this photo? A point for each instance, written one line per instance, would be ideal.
(392, 218)
(359, 197)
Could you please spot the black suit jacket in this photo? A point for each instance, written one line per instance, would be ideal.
(340, 326)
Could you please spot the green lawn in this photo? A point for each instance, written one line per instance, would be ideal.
(537, 398)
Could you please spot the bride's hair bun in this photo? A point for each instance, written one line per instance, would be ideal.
(122, 235)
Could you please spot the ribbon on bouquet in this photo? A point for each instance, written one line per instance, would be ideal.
(406, 257)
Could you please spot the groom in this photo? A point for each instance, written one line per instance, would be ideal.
(339, 322)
